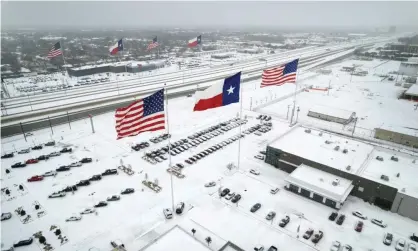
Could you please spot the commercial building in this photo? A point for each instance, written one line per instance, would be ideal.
(331, 114)
(353, 162)
(412, 92)
(409, 68)
(400, 135)
(115, 68)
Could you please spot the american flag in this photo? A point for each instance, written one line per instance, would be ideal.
(278, 76)
(55, 50)
(142, 115)
(153, 44)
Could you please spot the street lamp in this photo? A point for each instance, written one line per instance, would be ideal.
(297, 114)
(287, 115)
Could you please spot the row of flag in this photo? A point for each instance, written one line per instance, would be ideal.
(117, 47)
(147, 114)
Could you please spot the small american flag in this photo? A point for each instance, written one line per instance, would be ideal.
(153, 44)
(278, 76)
(55, 50)
(142, 115)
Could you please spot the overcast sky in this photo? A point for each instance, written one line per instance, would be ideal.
(210, 14)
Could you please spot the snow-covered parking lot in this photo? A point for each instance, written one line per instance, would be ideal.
(137, 219)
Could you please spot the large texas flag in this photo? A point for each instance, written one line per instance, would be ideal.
(116, 47)
(195, 41)
(220, 94)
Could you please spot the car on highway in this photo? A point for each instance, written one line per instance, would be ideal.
(18, 164)
(35, 178)
(113, 198)
(128, 191)
(74, 218)
(88, 211)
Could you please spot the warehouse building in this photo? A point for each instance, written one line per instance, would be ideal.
(332, 114)
(412, 92)
(115, 68)
(350, 161)
(400, 135)
(409, 68)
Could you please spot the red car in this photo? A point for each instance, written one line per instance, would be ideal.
(359, 226)
(32, 161)
(35, 178)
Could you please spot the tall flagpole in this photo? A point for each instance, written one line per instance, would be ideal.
(240, 125)
(62, 54)
(294, 98)
(169, 147)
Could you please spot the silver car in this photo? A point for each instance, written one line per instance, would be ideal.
(271, 215)
(6, 216)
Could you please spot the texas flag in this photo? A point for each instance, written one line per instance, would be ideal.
(195, 41)
(220, 94)
(114, 49)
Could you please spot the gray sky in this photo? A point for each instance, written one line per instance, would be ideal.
(211, 14)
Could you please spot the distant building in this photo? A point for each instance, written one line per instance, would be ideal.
(403, 47)
(399, 135)
(409, 68)
(331, 114)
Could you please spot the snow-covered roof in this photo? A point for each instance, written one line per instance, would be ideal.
(413, 90)
(399, 129)
(404, 166)
(321, 182)
(320, 146)
(331, 111)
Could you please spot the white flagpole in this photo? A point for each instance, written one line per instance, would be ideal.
(169, 146)
(240, 125)
(294, 98)
(62, 54)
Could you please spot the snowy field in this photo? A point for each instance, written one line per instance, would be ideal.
(137, 219)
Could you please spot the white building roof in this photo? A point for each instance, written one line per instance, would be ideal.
(321, 182)
(313, 146)
(331, 111)
(408, 171)
(400, 129)
(413, 90)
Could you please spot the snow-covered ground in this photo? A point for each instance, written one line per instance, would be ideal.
(137, 219)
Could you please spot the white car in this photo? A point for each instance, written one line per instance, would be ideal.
(347, 247)
(274, 190)
(255, 172)
(168, 214)
(57, 195)
(24, 151)
(210, 184)
(360, 215)
(88, 211)
(229, 196)
(258, 156)
(53, 154)
(74, 218)
(400, 245)
(75, 164)
(380, 223)
(50, 173)
(412, 247)
(335, 246)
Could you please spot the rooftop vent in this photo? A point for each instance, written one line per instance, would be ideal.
(308, 130)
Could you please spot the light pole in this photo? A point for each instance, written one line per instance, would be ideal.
(287, 115)
(297, 114)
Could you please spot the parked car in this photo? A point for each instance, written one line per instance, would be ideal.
(113, 198)
(88, 211)
(63, 169)
(229, 196)
(66, 150)
(73, 218)
(308, 233)
(258, 156)
(69, 189)
(50, 143)
(27, 150)
(110, 172)
(83, 183)
(380, 223)
(412, 247)
(360, 215)
(274, 190)
(387, 239)
(95, 177)
(359, 226)
(5, 216)
(236, 198)
(255, 207)
(25, 242)
(50, 173)
(101, 204)
(57, 194)
(347, 247)
(272, 248)
(400, 245)
(53, 154)
(317, 237)
(35, 178)
(18, 164)
(225, 192)
(38, 147)
(335, 246)
(180, 208)
(7, 155)
(167, 213)
(32, 161)
(75, 164)
(43, 157)
(255, 172)
(284, 221)
(341, 219)
(332, 216)
(128, 191)
(259, 248)
(271, 215)
(414, 237)
(210, 184)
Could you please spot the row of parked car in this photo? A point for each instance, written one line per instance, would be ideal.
(102, 203)
(264, 117)
(140, 146)
(27, 150)
(159, 155)
(160, 138)
(400, 243)
(41, 157)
